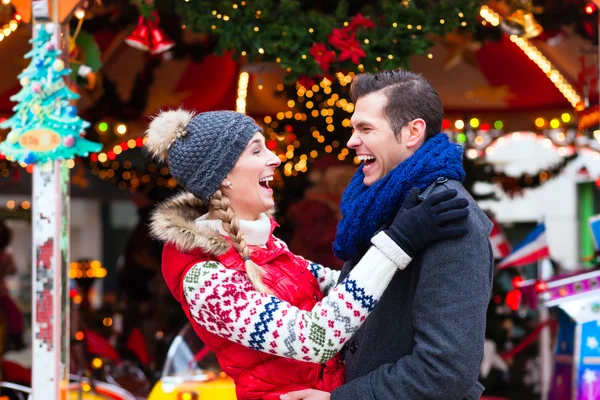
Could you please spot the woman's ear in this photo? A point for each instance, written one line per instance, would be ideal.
(227, 182)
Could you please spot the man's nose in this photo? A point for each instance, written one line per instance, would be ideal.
(354, 141)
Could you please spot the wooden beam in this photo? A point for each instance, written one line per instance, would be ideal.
(65, 9)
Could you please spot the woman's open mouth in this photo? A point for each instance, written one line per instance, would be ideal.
(264, 182)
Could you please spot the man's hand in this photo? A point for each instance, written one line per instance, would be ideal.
(308, 394)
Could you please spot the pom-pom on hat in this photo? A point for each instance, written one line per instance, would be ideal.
(202, 148)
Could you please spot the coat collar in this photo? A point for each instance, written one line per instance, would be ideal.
(181, 221)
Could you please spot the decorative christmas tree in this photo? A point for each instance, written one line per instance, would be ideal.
(45, 125)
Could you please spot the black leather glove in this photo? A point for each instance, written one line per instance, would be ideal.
(439, 217)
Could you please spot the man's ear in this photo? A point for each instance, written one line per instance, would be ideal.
(416, 132)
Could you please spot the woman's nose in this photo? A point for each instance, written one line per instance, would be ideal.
(274, 161)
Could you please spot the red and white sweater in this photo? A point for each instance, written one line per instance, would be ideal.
(224, 302)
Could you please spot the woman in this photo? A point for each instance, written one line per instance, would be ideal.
(275, 320)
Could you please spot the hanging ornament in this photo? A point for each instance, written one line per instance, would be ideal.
(36, 109)
(521, 23)
(24, 82)
(159, 41)
(39, 63)
(29, 158)
(139, 38)
(72, 111)
(84, 60)
(148, 36)
(13, 137)
(69, 141)
(58, 65)
(36, 87)
(50, 46)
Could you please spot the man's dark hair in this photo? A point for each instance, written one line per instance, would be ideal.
(5, 236)
(409, 95)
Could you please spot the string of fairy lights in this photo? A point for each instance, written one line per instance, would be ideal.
(475, 136)
(223, 16)
(11, 26)
(479, 138)
(538, 58)
(293, 163)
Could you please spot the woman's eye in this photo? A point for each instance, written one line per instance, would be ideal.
(257, 151)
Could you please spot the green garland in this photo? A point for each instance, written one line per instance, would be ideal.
(312, 43)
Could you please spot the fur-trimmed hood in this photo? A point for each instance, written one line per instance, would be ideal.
(174, 222)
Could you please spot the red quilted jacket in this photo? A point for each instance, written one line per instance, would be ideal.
(258, 375)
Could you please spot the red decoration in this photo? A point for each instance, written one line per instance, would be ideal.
(147, 36)
(513, 299)
(348, 45)
(321, 55)
(445, 124)
(589, 9)
(517, 281)
(160, 42)
(139, 38)
(306, 81)
(271, 144)
(541, 287)
(360, 21)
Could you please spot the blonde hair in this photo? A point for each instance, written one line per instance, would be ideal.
(220, 204)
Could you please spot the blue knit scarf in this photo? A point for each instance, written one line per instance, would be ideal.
(366, 208)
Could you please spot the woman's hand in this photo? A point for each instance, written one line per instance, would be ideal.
(307, 394)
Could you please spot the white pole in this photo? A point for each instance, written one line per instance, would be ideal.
(50, 333)
(50, 222)
(545, 345)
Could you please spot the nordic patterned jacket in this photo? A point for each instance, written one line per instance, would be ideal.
(268, 344)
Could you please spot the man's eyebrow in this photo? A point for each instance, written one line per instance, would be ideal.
(361, 124)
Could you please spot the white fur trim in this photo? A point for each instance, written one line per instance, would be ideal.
(392, 251)
(164, 129)
(256, 233)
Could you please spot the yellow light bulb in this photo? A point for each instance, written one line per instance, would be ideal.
(540, 122)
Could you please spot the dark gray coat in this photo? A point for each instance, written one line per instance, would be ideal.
(424, 339)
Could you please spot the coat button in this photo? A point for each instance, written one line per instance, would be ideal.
(441, 179)
(353, 347)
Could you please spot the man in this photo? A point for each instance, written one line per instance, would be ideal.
(425, 337)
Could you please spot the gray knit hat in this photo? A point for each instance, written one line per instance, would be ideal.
(201, 149)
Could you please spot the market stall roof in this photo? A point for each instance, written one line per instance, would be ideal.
(496, 76)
